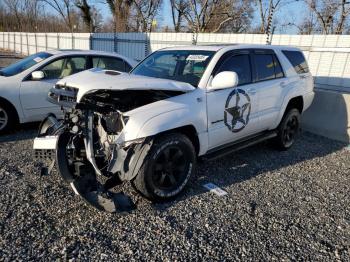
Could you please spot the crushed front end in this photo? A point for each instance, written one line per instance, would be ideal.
(88, 145)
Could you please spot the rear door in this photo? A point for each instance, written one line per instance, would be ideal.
(233, 112)
(270, 83)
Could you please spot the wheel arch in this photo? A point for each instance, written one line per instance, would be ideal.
(189, 131)
(293, 102)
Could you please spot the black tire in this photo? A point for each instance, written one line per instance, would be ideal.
(288, 130)
(8, 117)
(161, 180)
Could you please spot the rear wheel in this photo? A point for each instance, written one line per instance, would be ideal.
(288, 129)
(167, 167)
(8, 118)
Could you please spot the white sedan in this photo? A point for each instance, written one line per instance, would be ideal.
(25, 84)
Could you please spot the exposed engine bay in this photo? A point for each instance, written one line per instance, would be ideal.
(90, 151)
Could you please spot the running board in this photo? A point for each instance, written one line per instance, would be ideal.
(238, 145)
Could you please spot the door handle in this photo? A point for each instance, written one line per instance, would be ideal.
(252, 91)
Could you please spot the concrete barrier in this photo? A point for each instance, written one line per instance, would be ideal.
(329, 115)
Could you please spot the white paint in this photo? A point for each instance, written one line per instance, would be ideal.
(90, 80)
(47, 142)
(215, 189)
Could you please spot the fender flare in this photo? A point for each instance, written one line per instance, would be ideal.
(286, 101)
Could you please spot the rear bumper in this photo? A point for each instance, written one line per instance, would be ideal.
(308, 98)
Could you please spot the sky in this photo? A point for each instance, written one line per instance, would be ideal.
(293, 12)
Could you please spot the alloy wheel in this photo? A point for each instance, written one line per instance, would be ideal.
(3, 118)
(170, 169)
(290, 130)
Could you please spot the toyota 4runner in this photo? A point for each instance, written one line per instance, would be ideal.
(149, 126)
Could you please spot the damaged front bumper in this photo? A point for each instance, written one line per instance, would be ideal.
(88, 160)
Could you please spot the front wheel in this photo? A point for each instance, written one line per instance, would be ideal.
(167, 167)
(8, 118)
(288, 129)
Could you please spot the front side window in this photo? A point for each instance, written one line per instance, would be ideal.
(239, 64)
(64, 67)
(24, 64)
(109, 63)
(298, 61)
(179, 65)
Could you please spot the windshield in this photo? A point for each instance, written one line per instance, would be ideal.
(180, 65)
(24, 64)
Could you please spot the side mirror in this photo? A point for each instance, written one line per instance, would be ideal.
(223, 80)
(38, 75)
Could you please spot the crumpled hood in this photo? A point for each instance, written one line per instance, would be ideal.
(97, 79)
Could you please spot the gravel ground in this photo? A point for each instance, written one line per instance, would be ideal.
(290, 205)
(280, 205)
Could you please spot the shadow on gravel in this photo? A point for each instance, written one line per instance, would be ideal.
(251, 162)
(22, 132)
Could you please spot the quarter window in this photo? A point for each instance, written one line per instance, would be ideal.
(298, 61)
(239, 64)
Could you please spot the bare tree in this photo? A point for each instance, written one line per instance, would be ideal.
(120, 10)
(65, 9)
(215, 15)
(267, 10)
(32, 11)
(15, 7)
(331, 14)
(344, 13)
(179, 9)
(87, 15)
(146, 12)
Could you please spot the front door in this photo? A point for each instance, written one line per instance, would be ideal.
(233, 112)
(33, 93)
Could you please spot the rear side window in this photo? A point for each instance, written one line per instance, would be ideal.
(239, 64)
(298, 61)
(267, 67)
(109, 63)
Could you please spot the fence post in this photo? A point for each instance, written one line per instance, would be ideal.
(8, 40)
(146, 45)
(36, 43)
(46, 41)
(58, 41)
(115, 39)
(20, 35)
(73, 41)
(27, 43)
(90, 41)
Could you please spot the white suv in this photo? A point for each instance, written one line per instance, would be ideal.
(149, 126)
